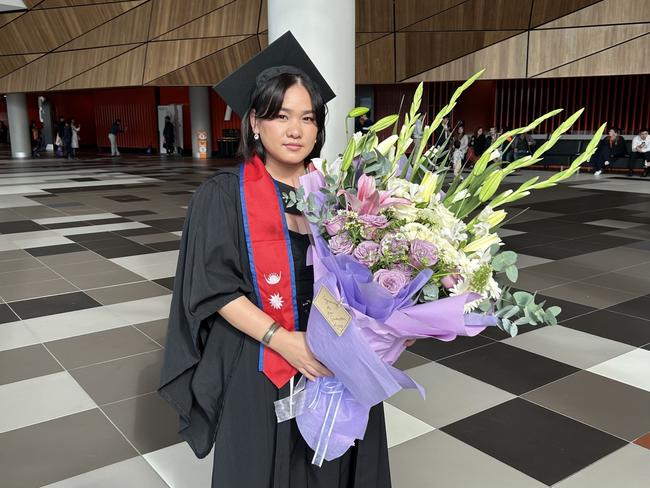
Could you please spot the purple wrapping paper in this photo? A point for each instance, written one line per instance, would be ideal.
(334, 411)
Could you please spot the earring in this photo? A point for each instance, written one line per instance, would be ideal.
(256, 137)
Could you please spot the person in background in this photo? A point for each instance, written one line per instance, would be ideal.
(67, 140)
(58, 138)
(611, 147)
(462, 137)
(457, 158)
(523, 145)
(640, 150)
(35, 133)
(442, 133)
(75, 137)
(115, 129)
(507, 149)
(364, 124)
(168, 135)
(480, 142)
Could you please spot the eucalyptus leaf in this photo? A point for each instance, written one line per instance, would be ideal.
(512, 273)
(522, 298)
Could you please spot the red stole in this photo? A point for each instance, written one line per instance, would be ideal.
(270, 258)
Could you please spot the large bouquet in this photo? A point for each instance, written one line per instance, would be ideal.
(402, 252)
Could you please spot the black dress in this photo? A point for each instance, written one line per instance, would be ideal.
(210, 373)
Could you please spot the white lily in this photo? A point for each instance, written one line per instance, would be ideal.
(385, 145)
(482, 243)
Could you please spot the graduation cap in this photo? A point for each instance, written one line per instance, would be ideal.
(284, 55)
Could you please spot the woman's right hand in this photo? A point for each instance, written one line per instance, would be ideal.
(293, 347)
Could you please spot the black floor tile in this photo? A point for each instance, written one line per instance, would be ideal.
(142, 231)
(39, 307)
(127, 198)
(555, 251)
(52, 250)
(167, 225)
(6, 315)
(132, 249)
(639, 307)
(509, 368)
(614, 326)
(85, 179)
(434, 349)
(65, 225)
(543, 444)
(166, 282)
(94, 236)
(19, 226)
(569, 309)
(497, 334)
(133, 213)
(166, 245)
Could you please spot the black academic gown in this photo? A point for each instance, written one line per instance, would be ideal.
(210, 373)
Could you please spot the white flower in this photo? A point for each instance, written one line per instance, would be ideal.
(461, 195)
(482, 244)
(319, 164)
(421, 232)
(357, 137)
(495, 155)
(406, 212)
(385, 145)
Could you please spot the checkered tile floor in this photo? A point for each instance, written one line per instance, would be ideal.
(87, 258)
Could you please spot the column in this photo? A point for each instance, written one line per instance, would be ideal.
(326, 31)
(200, 117)
(21, 145)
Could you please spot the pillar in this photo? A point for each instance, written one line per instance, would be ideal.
(21, 145)
(200, 117)
(326, 31)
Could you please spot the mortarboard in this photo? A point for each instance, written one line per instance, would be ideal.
(284, 55)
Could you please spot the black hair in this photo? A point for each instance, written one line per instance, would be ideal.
(644, 129)
(267, 102)
(457, 144)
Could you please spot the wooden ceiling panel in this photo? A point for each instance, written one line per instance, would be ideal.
(128, 28)
(506, 59)
(420, 51)
(375, 61)
(166, 56)
(239, 18)
(168, 15)
(409, 12)
(606, 12)
(215, 68)
(54, 68)
(124, 70)
(264, 17)
(547, 48)
(547, 10)
(6, 18)
(12, 63)
(479, 15)
(629, 56)
(48, 29)
(374, 15)
(67, 3)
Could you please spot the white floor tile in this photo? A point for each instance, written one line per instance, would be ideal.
(11, 201)
(616, 224)
(71, 324)
(75, 218)
(180, 468)
(41, 399)
(16, 334)
(632, 368)
(525, 261)
(144, 310)
(151, 266)
(402, 427)
(89, 229)
(132, 473)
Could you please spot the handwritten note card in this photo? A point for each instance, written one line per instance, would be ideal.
(332, 310)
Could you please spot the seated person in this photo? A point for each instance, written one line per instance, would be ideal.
(640, 150)
(611, 147)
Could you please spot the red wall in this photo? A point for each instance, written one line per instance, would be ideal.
(179, 95)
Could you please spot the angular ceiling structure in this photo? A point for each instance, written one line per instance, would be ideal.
(77, 44)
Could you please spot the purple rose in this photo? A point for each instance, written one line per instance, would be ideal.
(450, 281)
(341, 244)
(392, 280)
(394, 244)
(367, 253)
(335, 225)
(423, 253)
(377, 221)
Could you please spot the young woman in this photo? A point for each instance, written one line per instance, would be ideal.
(75, 137)
(242, 296)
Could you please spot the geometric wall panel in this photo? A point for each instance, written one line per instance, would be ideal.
(420, 51)
(213, 68)
(547, 10)
(238, 18)
(6, 18)
(12, 63)
(409, 12)
(374, 16)
(171, 14)
(45, 30)
(606, 12)
(547, 47)
(166, 56)
(362, 38)
(629, 57)
(124, 70)
(54, 68)
(506, 59)
(375, 62)
(478, 15)
(127, 28)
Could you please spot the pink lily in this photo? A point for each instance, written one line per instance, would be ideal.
(368, 199)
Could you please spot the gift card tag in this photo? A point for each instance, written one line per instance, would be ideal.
(332, 310)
